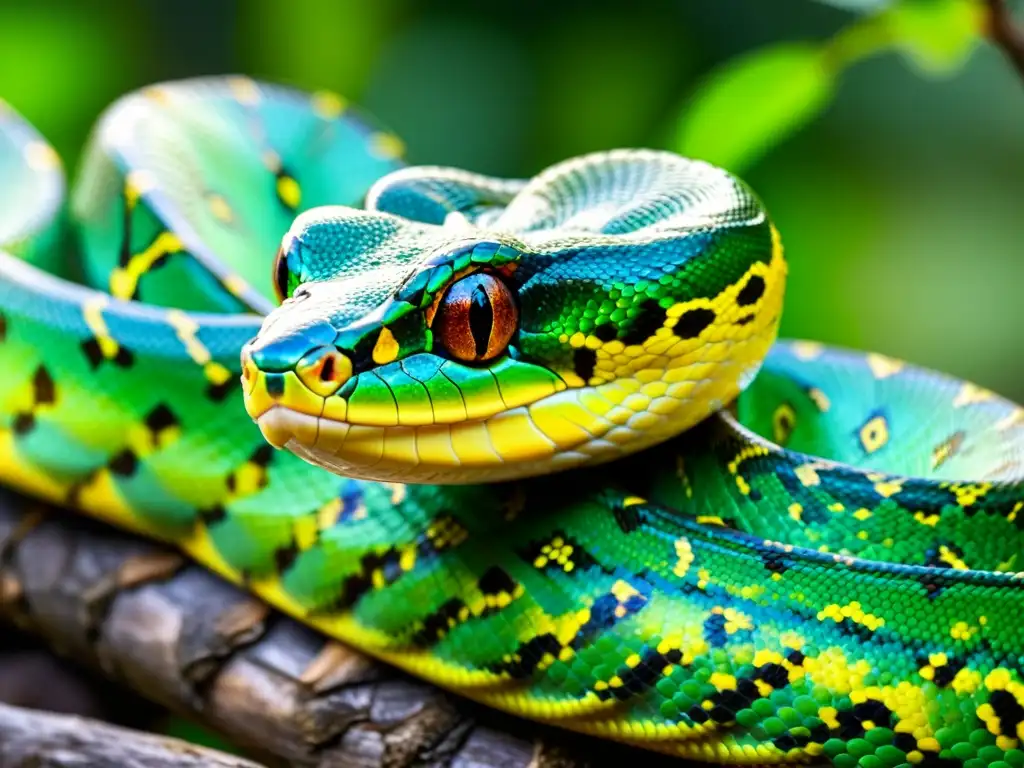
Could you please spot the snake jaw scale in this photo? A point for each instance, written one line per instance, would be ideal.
(275, 424)
(282, 428)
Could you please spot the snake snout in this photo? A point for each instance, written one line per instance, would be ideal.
(277, 353)
(287, 374)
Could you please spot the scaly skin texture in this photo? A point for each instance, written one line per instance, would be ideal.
(827, 575)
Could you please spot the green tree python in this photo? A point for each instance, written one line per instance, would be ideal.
(540, 444)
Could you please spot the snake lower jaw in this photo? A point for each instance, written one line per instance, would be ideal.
(441, 454)
(281, 427)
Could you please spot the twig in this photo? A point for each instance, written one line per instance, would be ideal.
(29, 738)
(1004, 32)
(186, 639)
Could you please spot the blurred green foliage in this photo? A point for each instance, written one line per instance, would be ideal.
(884, 136)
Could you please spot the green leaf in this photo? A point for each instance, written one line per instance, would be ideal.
(754, 102)
(937, 36)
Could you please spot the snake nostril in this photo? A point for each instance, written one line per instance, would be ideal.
(247, 364)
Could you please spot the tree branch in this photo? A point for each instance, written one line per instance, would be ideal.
(29, 739)
(1004, 32)
(182, 637)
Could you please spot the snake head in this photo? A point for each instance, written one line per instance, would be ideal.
(501, 329)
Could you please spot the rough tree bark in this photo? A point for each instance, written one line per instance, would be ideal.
(33, 739)
(195, 644)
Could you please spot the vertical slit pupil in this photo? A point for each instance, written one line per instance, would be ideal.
(481, 319)
(327, 370)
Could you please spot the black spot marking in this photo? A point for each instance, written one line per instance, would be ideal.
(124, 255)
(775, 675)
(693, 322)
(74, 493)
(699, 715)
(219, 392)
(606, 332)
(649, 319)
(437, 624)
(525, 659)
(851, 721)
(1008, 710)
(583, 361)
(91, 349)
(359, 583)
(43, 391)
(774, 561)
(481, 319)
(213, 515)
(23, 423)
(261, 456)
(581, 559)
(944, 675)
(725, 704)
(796, 658)
(161, 418)
(751, 292)
(818, 734)
(636, 680)
(285, 557)
(786, 742)
(932, 760)
(123, 358)
(745, 320)
(361, 353)
(125, 463)
(852, 629)
(627, 518)
(3, 327)
(495, 581)
(905, 742)
(932, 588)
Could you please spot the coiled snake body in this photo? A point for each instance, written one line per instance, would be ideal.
(825, 571)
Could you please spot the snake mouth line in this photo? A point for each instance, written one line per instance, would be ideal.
(564, 429)
(509, 444)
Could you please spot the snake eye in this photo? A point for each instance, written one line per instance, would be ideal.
(476, 318)
(282, 275)
(286, 276)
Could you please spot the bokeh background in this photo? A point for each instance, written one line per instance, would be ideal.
(899, 194)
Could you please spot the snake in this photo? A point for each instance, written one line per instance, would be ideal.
(532, 440)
